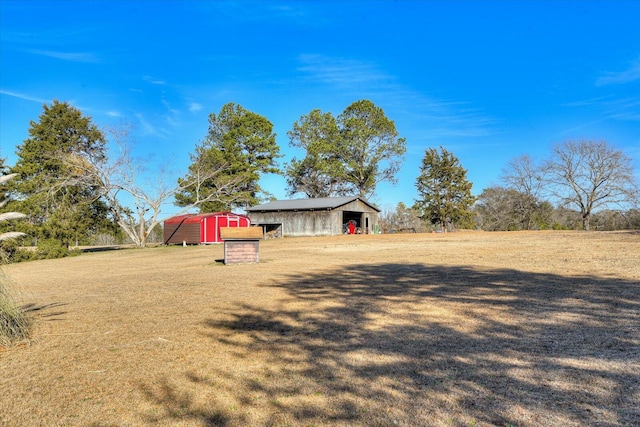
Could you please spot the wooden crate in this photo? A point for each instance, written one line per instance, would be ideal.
(241, 245)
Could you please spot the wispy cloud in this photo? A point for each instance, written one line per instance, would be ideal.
(173, 115)
(580, 127)
(149, 129)
(340, 71)
(630, 116)
(22, 96)
(627, 76)
(443, 118)
(294, 13)
(195, 107)
(68, 56)
(170, 109)
(586, 102)
(114, 114)
(606, 108)
(154, 81)
(602, 109)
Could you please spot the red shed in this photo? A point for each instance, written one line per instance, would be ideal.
(201, 229)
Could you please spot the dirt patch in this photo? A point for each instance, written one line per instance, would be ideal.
(486, 329)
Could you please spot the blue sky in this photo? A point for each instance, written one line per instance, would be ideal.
(488, 80)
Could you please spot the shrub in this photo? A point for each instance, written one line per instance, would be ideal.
(10, 252)
(50, 249)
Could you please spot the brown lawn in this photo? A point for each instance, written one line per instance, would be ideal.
(462, 329)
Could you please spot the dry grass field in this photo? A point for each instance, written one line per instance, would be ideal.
(461, 329)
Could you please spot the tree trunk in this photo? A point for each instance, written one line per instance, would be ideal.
(586, 226)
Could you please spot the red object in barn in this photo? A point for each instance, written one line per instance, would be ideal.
(201, 229)
(352, 227)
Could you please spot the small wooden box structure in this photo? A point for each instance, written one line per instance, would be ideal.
(241, 245)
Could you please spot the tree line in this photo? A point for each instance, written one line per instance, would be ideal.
(72, 188)
(577, 187)
(586, 178)
(75, 181)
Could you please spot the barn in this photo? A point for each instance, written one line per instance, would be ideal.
(327, 216)
(201, 229)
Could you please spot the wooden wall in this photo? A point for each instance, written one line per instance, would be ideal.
(241, 251)
(176, 233)
(321, 222)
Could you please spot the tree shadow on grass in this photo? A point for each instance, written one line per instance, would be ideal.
(179, 405)
(410, 344)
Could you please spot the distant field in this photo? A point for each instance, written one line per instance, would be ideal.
(461, 329)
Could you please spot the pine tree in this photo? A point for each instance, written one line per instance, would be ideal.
(59, 206)
(370, 148)
(242, 146)
(445, 193)
(321, 172)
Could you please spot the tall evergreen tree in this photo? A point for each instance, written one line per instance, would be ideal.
(58, 206)
(445, 193)
(242, 145)
(370, 147)
(320, 173)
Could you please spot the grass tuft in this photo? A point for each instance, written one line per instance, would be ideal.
(15, 325)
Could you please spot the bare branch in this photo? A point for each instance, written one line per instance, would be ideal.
(5, 178)
(137, 208)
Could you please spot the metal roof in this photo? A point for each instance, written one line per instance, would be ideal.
(308, 204)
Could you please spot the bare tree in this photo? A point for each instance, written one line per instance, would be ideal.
(8, 216)
(402, 218)
(591, 175)
(524, 175)
(499, 208)
(526, 178)
(135, 207)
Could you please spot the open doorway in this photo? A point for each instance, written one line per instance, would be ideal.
(352, 222)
